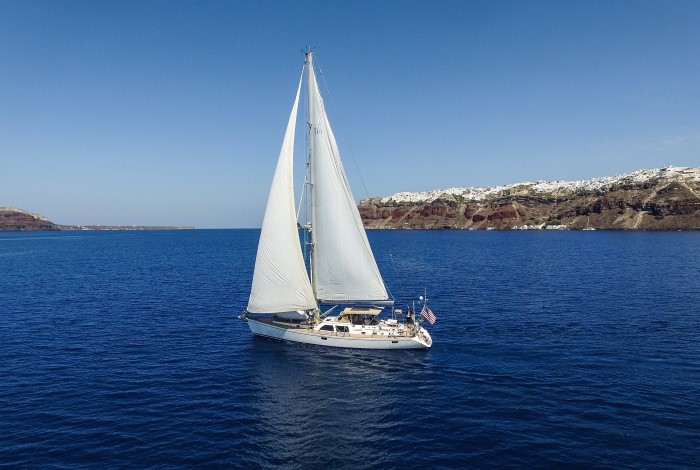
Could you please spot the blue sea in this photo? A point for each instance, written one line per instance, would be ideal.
(551, 349)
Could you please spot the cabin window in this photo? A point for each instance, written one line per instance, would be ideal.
(327, 328)
(342, 329)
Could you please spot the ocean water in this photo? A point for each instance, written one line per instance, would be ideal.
(575, 349)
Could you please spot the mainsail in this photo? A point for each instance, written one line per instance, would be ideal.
(343, 265)
(280, 280)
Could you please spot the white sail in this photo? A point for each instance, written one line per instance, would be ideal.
(280, 280)
(343, 266)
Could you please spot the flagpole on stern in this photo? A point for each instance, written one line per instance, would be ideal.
(426, 312)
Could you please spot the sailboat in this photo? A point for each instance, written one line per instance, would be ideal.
(588, 227)
(338, 301)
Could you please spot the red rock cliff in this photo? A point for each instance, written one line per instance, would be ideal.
(12, 219)
(660, 199)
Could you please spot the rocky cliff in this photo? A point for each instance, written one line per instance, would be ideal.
(658, 199)
(12, 219)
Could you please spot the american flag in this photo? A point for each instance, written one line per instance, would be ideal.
(428, 314)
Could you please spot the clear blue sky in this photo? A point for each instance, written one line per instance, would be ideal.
(173, 112)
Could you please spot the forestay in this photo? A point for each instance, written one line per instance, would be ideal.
(343, 265)
(280, 280)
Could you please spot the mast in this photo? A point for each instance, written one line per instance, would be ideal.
(310, 128)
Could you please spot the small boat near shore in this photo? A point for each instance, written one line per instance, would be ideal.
(588, 227)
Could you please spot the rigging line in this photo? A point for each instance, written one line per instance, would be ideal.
(347, 141)
(301, 196)
(398, 276)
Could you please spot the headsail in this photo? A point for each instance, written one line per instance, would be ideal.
(343, 265)
(280, 280)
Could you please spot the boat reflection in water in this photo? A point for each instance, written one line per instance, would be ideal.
(315, 408)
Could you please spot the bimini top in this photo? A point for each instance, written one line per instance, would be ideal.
(361, 311)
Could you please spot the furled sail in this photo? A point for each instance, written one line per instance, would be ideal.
(280, 280)
(343, 265)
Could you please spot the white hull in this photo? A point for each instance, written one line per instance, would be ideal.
(332, 339)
